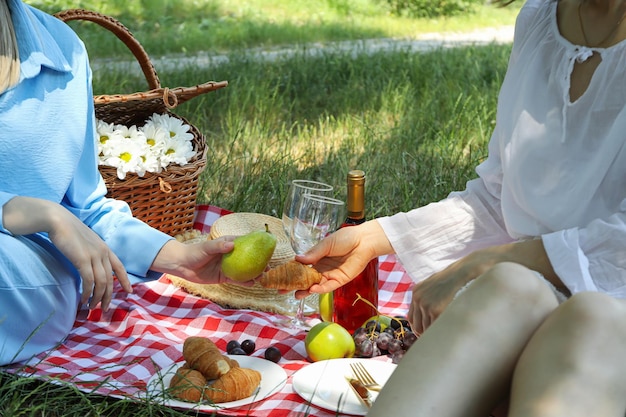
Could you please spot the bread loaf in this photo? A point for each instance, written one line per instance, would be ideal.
(188, 384)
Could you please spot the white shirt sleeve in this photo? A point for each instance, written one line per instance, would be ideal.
(592, 258)
(429, 238)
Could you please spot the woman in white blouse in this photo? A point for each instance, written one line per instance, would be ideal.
(521, 277)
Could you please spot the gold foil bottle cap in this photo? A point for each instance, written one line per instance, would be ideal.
(355, 203)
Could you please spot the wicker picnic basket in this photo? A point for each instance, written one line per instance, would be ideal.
(165, 200)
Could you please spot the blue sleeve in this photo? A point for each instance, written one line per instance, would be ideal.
(134, 242)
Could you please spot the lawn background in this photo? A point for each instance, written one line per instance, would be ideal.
(416, 123)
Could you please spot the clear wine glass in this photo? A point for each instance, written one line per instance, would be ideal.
(298, 188)
(316, 216)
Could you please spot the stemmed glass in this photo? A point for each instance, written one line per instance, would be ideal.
(316, 216)
(297, 188)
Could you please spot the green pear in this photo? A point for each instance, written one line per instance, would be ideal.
(250, 256)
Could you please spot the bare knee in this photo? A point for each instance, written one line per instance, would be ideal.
(574, 363)
(584, 339)
(511, 291)
(519, 285)
(594, 314)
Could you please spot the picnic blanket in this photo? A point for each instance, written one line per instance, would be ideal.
(117, 352)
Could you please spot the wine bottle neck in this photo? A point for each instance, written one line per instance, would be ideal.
(355, 203)
(356, 217)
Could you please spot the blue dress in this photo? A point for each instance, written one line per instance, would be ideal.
(48, 151)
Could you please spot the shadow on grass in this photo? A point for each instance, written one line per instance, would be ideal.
(418, 124)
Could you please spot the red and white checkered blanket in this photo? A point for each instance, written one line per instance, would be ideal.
(116, 353)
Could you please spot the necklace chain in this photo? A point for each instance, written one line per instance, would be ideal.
(606, 38)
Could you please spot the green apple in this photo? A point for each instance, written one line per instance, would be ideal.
(250, 256)
(326, 306)
(327, 340)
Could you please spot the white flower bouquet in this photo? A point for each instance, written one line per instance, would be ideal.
(155, 163)
(161, 141)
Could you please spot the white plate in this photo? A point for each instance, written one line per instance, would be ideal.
(273, 379)
(324, 384)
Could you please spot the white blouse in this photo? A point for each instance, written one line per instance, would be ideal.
(556, 169)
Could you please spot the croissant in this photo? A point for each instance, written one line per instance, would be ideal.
(188, 384)
(232, 362)
(235, 385)
(203, 355)
(290, 276)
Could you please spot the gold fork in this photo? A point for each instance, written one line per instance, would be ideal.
(364, 377)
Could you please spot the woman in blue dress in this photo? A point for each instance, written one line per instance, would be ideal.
(62, 243)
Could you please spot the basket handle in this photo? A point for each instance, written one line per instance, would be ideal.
(119, 30)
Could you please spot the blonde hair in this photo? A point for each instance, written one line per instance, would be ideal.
(9, 55)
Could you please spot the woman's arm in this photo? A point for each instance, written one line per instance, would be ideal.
(591, 258)
(93, 259)
(432, 296)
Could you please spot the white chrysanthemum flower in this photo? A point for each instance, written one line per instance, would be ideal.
(163, 140)
(177, 152)
(156, 137)
(108, 147)
(132, 132)
(150, 161)
(125, 155)
(176, 127)
(105, 131)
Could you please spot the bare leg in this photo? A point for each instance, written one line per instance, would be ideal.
(462, 365)
(575, 364)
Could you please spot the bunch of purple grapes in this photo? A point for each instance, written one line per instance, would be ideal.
(394, 340)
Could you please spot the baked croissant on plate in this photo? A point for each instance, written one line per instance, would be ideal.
(204, 356)
(232, 362)
(235, 385)
(205, 363)
(290, 276)
(188, 384)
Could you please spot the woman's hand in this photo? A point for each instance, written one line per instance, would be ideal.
(432, 296)
(344, 254)
(196, 262)
(93, 259)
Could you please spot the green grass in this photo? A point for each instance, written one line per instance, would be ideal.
(26, 396)
(416, 123)
(218, 26)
